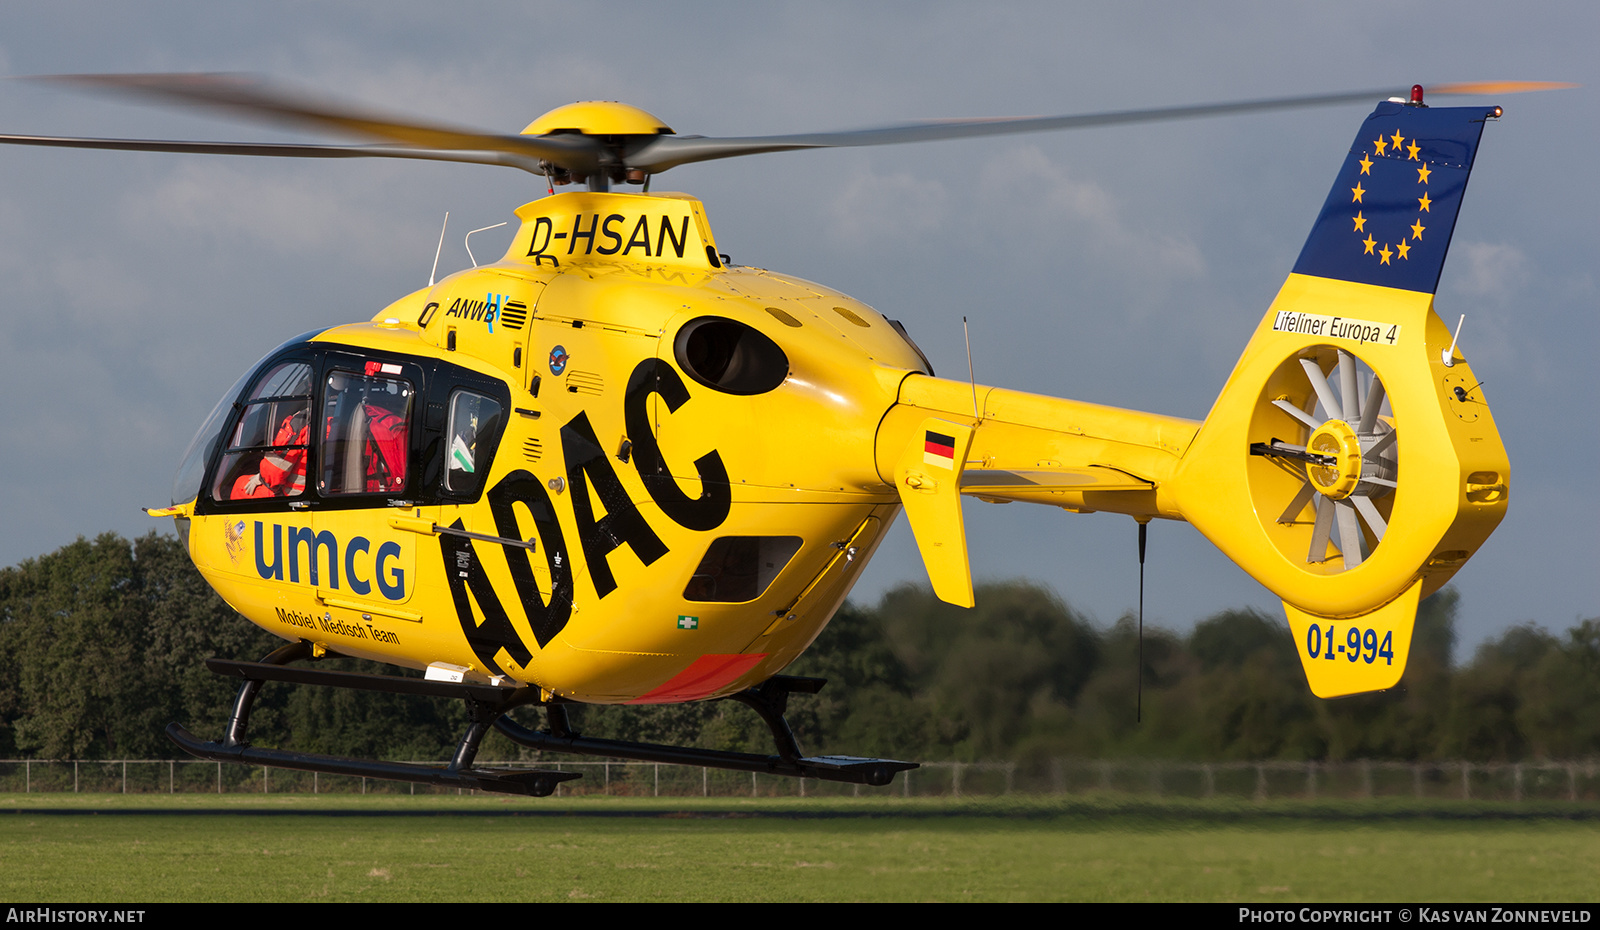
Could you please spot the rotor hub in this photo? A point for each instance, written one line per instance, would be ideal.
(599, 118)
(1335, 439)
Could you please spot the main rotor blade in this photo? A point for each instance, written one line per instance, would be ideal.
(275, 149)
(1496, 87)
(586, 155)
(665, 152)
(259, 101)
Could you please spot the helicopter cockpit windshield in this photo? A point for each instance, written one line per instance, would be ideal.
(191, 474)
(266, 455)
(320, 425)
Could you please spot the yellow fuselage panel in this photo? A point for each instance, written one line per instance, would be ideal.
(604, 609)
(349, 582)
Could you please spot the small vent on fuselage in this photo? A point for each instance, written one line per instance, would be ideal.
(532, 450)
(514, 315)
(585, 382)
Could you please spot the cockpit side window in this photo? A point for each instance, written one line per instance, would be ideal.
(473, 416)
(266, 455)
(365, 421)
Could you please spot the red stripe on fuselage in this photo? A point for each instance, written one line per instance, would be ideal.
(701, 679)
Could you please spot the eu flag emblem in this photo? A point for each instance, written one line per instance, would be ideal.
(1393, 207)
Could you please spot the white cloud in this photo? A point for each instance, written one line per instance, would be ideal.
(1023, 185)
(1493, 270)
(1487, 289)
(272, 211)
(871, 207)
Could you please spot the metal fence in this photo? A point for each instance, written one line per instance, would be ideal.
(1545, 781)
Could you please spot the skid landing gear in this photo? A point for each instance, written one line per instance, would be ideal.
(488, 706)
(769, 699)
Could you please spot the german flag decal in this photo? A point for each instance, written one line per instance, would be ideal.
(939, 449)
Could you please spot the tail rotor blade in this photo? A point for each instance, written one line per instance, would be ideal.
(1330, 404)
(1349, 404)
(1321, 531)
(1379, 447)
(1369, 410)
(1292, 512)
(1297, 413)
(1349, 533)
(1369, 512)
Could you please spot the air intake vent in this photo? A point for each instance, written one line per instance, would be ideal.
(533, 450)
(514, 315)
(585, 382)
(850, 315)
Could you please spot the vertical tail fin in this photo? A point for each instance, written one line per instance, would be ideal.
(1347, 465)
(1388, 220)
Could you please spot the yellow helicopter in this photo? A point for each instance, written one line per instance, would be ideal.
(615, 467)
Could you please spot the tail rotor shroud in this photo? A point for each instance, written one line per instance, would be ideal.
(1345, 457)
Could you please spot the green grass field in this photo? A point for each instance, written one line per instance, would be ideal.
(154, 848)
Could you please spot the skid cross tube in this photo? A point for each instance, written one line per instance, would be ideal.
(768, 699)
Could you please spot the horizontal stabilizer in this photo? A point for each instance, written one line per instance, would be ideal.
(997, 482)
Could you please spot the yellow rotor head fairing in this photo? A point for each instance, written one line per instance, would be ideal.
(598, 118)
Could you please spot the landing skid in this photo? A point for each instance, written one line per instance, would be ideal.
(488, 706)
(485, 703)
(768, 699)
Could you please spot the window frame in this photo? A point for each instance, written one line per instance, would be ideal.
(433, 381)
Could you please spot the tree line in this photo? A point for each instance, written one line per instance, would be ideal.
(102, 643)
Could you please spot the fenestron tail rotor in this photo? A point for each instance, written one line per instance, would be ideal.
(1348, 462)
(602, 143)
